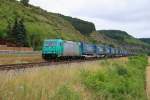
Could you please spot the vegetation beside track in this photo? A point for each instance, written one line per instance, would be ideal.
(113, 79)
(118, 81)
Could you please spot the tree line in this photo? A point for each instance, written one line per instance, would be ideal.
(16, 32)
(25, 2)
(84, 27)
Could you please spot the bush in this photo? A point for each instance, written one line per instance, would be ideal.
(121, 70)
(118, 81)
(65, 93)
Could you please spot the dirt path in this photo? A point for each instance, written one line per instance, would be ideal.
(148, 80)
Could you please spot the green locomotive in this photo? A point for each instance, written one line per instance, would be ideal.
(55, 48)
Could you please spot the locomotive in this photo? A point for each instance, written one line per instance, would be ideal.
(58, 48)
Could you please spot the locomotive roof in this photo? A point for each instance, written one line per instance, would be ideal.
(53, 40)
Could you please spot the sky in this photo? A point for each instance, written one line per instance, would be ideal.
(132, 16)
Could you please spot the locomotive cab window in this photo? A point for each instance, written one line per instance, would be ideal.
(50, 43)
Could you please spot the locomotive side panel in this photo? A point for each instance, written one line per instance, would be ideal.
(71, 48)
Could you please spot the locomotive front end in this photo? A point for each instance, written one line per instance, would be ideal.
(52, 48)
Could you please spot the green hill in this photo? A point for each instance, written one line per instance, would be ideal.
(122, 39)
(146, 40)
(83, 26)
(39, 23)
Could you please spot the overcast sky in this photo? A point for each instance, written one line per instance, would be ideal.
(132, 16)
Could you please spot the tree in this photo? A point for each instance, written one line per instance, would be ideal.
(35, 41)
(25, 2)
(11, 31)
(17, 34)
(21, 36)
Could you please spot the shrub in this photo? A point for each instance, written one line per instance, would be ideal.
(118, 81)
(121, 70)
(65, 93)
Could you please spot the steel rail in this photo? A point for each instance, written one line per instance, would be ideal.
(40, 64)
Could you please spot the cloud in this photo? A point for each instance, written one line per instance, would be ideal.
(132, 16)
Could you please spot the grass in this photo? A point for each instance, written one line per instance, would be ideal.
(65, 93)
(19, 58)
(100, 80)
(118, 81)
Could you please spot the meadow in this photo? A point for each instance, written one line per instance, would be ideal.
(109, 79)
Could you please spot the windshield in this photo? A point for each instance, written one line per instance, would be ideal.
(50, 43)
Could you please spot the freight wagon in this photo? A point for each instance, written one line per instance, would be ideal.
(88, 50)
(100, 51)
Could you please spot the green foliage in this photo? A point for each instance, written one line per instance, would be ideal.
(25, 2)
(115, 34)
(139, 61)
(83, 26)
(120, 36)
(146, 40)
(120, 69)
(3, 34)
(17, 33)
(65, 93)
(118, 81)
(36, 41)
(42, 24)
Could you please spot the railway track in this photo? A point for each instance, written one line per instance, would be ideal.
(46, 63)
(40, 64)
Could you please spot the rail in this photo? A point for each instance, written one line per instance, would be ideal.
(40, 64)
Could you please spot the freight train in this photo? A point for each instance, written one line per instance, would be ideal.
(62, 49)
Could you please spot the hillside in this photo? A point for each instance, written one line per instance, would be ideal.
(39, 23)
(119, 38)
(83, 26)
(146, 40)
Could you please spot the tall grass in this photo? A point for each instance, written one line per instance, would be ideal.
(118, 81)
(60, 82)
(115, 79)
(65, 93)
